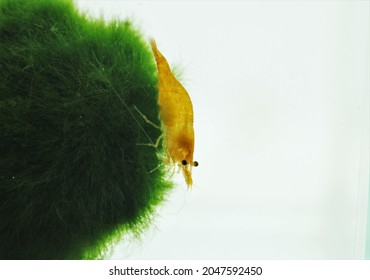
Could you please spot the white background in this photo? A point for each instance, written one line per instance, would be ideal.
(281, 102)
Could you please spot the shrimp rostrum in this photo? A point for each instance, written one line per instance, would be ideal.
(176, 115)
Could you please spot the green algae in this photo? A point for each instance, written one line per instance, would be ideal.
(72, 178)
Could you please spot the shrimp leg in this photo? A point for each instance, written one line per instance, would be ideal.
(146, 119)
(156, 145)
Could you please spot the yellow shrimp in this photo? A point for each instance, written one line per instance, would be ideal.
(176, 115)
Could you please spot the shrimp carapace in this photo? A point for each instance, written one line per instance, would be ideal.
(176, 115)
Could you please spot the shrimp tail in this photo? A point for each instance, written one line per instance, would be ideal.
(162, 63)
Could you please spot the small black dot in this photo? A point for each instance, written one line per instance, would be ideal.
(184, 162)
(196, 163)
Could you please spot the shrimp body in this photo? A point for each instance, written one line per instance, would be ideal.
(176, 115)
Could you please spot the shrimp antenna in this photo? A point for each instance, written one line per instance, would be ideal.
(132, 115)
(126, 106)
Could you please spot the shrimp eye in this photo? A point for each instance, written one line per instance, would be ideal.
(184, 162)
(195, 163)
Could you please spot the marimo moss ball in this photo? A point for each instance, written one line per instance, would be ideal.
(73, 178)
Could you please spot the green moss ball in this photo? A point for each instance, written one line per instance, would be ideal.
(72, 177)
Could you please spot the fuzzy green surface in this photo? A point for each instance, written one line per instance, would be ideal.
(72, 177)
